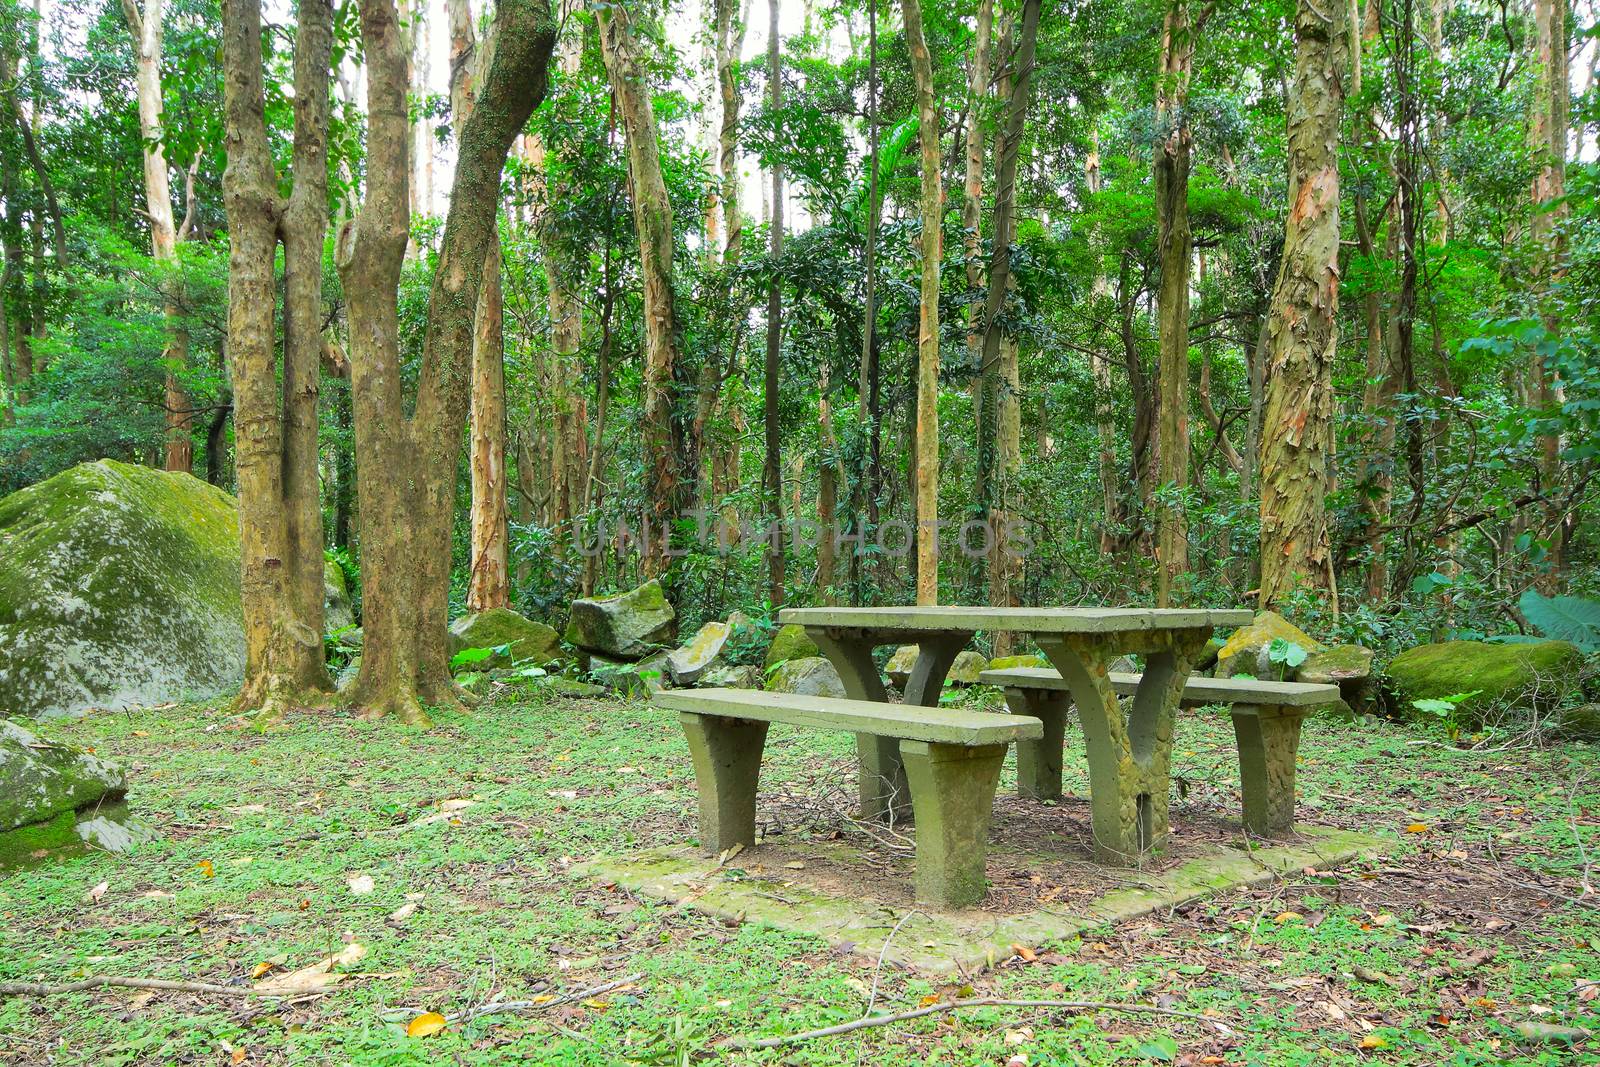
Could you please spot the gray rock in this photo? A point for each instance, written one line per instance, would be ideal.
(40, 780)
(689, 662)
(570, 688)
(625, 626)
(899, 666)
(966, 668)
(809, 676)
(1347, 666)
(337, 612)
(725, 677)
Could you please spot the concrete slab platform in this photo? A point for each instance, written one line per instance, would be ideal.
(768, 886)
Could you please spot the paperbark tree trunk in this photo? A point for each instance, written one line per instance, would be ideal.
(652, 217)
(772, 468)
(275, 408)
(406, 476)
(489, 580)
(926, 456)
(1297, 429)
(146, 28)
(999, 348)
(1104, 412)
(1173, 150)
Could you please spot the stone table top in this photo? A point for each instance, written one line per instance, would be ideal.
(1032, 620)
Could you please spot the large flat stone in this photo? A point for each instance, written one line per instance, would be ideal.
(751, 888)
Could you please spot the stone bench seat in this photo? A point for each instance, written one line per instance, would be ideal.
(1266, 723)
(952, 760)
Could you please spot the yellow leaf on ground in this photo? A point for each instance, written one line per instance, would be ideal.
(542, 998)
(928, 1001)
(1287, 917)
(206, 868)
(261, 968)
(1023, 952)
(597, 1004)
(238, 1054)
(426, 1024)
(1417, 828)
(1373, 1041)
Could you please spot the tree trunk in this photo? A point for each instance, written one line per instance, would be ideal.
(972, 239)
(1297, 431)
(1104, 411)
(652, 216)
(926, 456)
(772, 468)
(406, 475)
(146, 28)
(999, 349)
(1547, 143)
(1377, 406)
(869, 482)
(275, 415)
(489, 580)
(1174, 147)
(729, 47)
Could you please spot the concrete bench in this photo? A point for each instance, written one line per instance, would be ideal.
(952, 762)
(1266, 726)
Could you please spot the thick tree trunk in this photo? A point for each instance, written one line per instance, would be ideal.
(926, 455)
(652, 216)
(407, 471)
(772, 468)
(1297, 431)
(275, 415)
(1174, 147)
(146, 28)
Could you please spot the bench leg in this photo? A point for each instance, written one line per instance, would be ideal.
(727, 765)
(952, 790)
(1268, 740)
(881, 780)
(1039, 762)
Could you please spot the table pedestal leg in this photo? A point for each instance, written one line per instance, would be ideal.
(953, 788)
(1129, 758)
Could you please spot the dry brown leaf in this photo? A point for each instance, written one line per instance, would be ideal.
(94, 895)
(403, 912)
(316, 977)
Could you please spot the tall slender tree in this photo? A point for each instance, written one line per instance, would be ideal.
(925, 463)
(772, 468)
(1297, 427)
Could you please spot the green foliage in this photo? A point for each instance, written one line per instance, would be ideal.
(1564, 618)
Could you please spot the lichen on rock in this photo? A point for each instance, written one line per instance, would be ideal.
(119, 586)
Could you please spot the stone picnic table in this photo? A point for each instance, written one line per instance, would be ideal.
(1129, 757)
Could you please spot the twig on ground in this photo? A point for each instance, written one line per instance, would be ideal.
(96, 981)
(507, 1007)
(976, 1002)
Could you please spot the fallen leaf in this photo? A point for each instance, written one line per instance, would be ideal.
(1020, 1036)
(360, 885)
(238, 1054)
(1417, 828)
(1373, 1041)
(1287, 917)
(316, 977)
(1024, 953)
(261, 968)
(403, 912)
(1536, 1031)
(93, 895)
(248, 809)
(206, 868)
(157, 894)
(928, 1001)
(426, 1024)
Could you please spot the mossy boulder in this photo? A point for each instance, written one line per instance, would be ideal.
(40, 780)
(119, 586)
(1347, 666)
(1504, 675)
(1006, 663)
(624, 626)
(526, 642)
(337, 613)
(689, 662)
(727, 677)
(966, 668)
(1581, 723)
(1245, 651)
(790, 642)
(807, 676)
(900, 663)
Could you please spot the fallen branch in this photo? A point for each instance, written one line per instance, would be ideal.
(505, 1007)
(977, 1002)
(96, 981)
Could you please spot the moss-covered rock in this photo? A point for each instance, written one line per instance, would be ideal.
(119, 586)
(337, 612)
(625, 626)
(807, 676)
(1245, 650)
(790, 642)
(1581, 723)
(40, 780)
(966, 668)
(526, 642)
(1504, 675)
(900, 663)
(728, 677)
(1347, 666)
(1006, 663)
